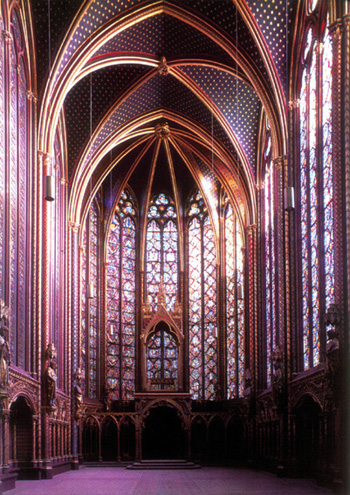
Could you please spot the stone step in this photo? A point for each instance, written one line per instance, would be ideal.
(163, 464)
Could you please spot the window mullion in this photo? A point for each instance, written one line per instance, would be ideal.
(202, 308)
(120, 330)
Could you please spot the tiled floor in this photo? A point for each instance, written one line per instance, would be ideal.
(205, 481)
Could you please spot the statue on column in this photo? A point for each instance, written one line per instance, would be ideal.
(51, 376)
(248, 384)
(332, 319)
(78, 394)
(278, 377)
(217, 391)
(5, 355)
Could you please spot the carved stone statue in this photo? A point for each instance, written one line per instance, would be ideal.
(78, 394)
(248, 384)
(51, 375)
(332, 317)
(217, 389)
(277, 377)
(107, 399)
(332, 355)
(5, 357)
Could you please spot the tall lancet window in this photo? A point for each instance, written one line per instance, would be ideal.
(234, 305)
(161, 251)
(89, 300)
(2, 161)
(202, 292)
(316, 189)
(327, 166)
(121, 300)
(270, 258)
(18, 180)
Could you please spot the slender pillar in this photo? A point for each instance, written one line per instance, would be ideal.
(188, 438)
(35, 425)
(138, 440)
(100, 444)
(6, 425)
(74, 332)
(2, 440)
(118, 447)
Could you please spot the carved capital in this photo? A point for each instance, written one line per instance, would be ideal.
(260, 186)
(336, 28)
(64, 182)
(319, 48)
(346, 21)
(251, 228)
(293, 104)
(7, 36)
(74, 226)
(278, 162)
(45, 159)
(31, 96)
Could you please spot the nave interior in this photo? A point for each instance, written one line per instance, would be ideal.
(174, 237)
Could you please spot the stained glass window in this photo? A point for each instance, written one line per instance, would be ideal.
(2, 161)
(240, 310)
(120, 296)
(270, 261)
(92, 342)
(162, 355)
(316, 192)
(83, 304)
(234, 305)
(161, 251)
(202, 301)
(18, 179)
(328, 169)
(13, 195)
(89, 306)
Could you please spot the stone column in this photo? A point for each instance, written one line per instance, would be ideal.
(74, 263)
(35, 428)
(346, 154)
(188, 439)
(99, 443)
(45, 166)
(340, 32)
(6, 439)
(138, 439)
(118, 451)
(251, 301)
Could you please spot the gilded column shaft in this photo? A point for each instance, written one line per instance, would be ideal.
(74, 330)
(346, 143)
(336, 31)
(251, 304)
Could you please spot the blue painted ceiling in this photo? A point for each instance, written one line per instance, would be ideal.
(211, 71)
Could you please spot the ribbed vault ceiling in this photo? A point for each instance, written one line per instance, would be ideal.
(105, 57)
